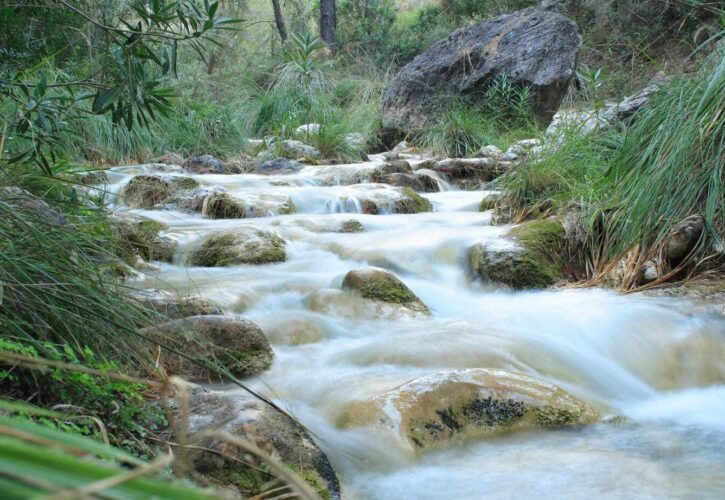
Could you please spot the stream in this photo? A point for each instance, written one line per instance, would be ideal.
(657, 362)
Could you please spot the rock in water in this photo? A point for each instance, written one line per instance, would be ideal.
(534, 258)
(456, 406)
(532, 47)
(205, 164)
(236, 343)
(380, 285)
(173, 306)
(244, 245)
(253, 421)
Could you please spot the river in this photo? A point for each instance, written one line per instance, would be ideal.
(658, 362)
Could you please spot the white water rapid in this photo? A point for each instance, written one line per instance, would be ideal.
(659, 362)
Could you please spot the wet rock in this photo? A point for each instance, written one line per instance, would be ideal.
(174, 306)
(412, 203)
(142, 238)
(417, 182)
(350, 226)
(279, 166)
(470, 173)
(222, 206)
(457, 406)
(533, 258)
(234, 343)
(25, 202)
(532, 47)
(205, 164)
(244, 245)
(488, 202)
(394, 167)
(147, 191)
(380, 285)
(256, 143)
(253, 421)
(227, 206)
(297, 149)
(683, 238)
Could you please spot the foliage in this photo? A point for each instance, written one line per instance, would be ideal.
(140, 48)
(39, 460)
(304, 58)
(671, 164)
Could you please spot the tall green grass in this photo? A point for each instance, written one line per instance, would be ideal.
(671, 164)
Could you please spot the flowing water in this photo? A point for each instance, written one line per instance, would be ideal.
(659, 362)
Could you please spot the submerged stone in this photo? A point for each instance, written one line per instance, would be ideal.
(456, 406)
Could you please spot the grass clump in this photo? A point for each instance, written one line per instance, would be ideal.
(671, 165)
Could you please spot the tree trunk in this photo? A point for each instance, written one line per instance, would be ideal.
(279, 20)
(328, 22)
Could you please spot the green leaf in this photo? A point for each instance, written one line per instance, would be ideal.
(104, 99)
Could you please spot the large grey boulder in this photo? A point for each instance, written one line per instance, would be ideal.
(532, 47)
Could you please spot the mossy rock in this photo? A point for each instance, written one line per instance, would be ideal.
(245, 245)
(535, 260)
(412, 203)
(147, 191)
(460, 405)
(488, 202)
(236, 344)
(223, 206)
(380, 285)
(173, 306)
(142, 238)
(255, 422)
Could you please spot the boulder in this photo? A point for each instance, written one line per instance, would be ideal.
(470, 173)
(412, 203)
(38, 209)
(380, 285)
(532, 258)
(142, 238)
(205, 164)
(235, 343)
(683, 237)
(355, 140)
(461, 405)
(298, 149)
(394, 167)
(532, 47)
(147, 191)
(309, 128)
(174, 306)
(419, 182)
(244, 245)
(227, 206)
(253, 421)
(279, 166)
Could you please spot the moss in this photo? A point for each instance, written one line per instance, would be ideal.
(537, 263)
(555, 417)
(146, 191)
(387, 290)
(247, 362)
(413, 203)
(185, 183)
(223, 206)
(142, 239)
(228, 249)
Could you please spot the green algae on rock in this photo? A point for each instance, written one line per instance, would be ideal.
(459, 405)
(412, 203)
(378, 284)
(535, 258)
(244, 245)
